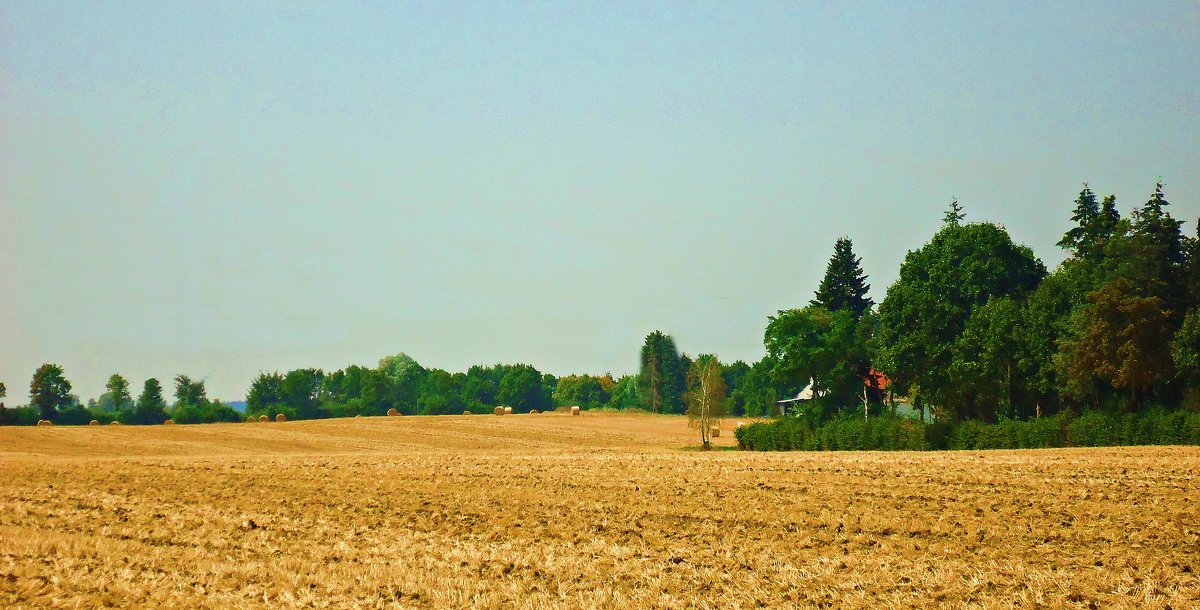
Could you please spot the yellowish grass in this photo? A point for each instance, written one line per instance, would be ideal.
(606, 511)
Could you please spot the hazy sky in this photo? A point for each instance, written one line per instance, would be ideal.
(222, 189)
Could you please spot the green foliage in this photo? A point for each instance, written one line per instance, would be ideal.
(844, 286)
(705, 395)
(585, 391)
(820, 345)
(151, 408)
(661, 378)
(188, 392)
(117, 398)
(927, 309)
(1092, 429)
(1185, 347)
(49, 391)
(521, 388)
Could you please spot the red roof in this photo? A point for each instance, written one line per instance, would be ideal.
(876, 380)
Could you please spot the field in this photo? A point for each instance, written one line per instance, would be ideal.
(598, 511)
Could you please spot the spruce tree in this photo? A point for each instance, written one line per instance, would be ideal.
(844, 285)
(1087, 211)
(954, 214)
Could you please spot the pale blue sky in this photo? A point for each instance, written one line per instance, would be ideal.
(223, 188)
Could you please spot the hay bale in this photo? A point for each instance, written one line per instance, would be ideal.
(714, 432)
(466, 412)
(534, 411)
(169, 422)
(739, 425)
(508, 410)
(357, 416)
(498, 410)
(263, 418)
(114, 423)
(393, 412)
(45, 422)
(281, 418)
(574, 410)
(94, 423)
(251, 419)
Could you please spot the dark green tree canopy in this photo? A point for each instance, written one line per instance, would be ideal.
(49, 390)
(940, 284)
(662, 376)
(844, 285)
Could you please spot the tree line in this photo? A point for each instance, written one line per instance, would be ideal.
(975, 328)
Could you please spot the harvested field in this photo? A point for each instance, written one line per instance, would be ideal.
(599, 511)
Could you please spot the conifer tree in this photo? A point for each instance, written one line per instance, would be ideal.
(844, 285)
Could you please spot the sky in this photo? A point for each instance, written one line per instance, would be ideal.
(220, 189)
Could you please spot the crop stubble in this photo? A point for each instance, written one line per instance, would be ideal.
(599, 511)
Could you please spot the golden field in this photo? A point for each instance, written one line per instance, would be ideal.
(598, 511)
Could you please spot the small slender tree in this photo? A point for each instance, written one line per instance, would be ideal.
(705, 396)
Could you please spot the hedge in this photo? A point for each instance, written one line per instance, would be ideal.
(1092, 429)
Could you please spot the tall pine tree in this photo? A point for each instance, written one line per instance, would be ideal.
(661, 379)
(844, 285)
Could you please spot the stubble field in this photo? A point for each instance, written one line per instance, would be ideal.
(599, 511)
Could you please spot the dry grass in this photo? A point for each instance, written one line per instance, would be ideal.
(603, 511)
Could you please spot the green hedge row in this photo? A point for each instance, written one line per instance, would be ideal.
(1092, 429)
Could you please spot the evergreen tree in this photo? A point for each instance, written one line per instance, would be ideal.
(1087, 210)
(151, 408)
(844, 285)
(954, 214)
(661, 379)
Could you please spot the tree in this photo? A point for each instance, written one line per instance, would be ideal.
(299, 390)
(986, 363)
(151, 408)
(705, 396)
(954, 214)
(583, 390)
(49, 390)
(265, 393)
(1185, 348)
(661, 377)
(439, 393)
(117, 397)
(3, 393)
(844, 285)
(405, 376)
(928, 306)
(625, 393)
(817, 345)
(188, 392)
(521, 388)
(1120, 339)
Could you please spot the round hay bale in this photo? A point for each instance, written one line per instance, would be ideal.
(466, 412)
(508, 410)
(358, 416)
(45, 422)
(251, 419)
(498, 410)
(534, 411)
(169, 422)
(114, 423)
(281, 418)
(393, 412)
(574, 410)
(740, 424)
(94, 423)
(714, 432)
(263, 418)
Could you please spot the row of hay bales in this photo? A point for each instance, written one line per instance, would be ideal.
(508, 411)
(264, 419)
